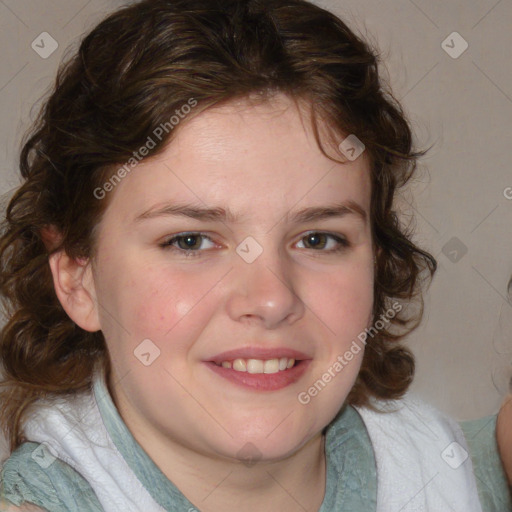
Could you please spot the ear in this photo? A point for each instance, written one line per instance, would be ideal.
(74, 285)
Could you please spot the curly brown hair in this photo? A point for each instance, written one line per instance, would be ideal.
(130, 75)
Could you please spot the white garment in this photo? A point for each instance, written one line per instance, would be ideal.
(422, 459)
(74, 432)
(408, 443)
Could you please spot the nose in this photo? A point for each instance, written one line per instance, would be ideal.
(264, 292)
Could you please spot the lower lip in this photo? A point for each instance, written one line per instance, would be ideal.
(262, 381)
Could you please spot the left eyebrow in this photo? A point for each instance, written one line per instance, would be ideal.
(310, 214)
(327, 212)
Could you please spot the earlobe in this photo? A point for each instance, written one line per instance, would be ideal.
(74, 286)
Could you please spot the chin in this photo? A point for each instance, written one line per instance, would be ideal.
(265, 448)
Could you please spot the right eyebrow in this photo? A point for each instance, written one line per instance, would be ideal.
(188, 210)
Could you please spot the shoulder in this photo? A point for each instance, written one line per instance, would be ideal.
(416, 425)
(411, 429)
(407, 412)
(483, 448)
(24, 477)
(33, 476)
(418, 447)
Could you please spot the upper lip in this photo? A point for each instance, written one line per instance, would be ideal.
(258, 353)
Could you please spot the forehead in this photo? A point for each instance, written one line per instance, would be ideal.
(256, 159)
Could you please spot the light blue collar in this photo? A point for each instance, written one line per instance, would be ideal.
(351, 484)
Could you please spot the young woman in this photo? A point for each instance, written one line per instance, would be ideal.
(207, 281)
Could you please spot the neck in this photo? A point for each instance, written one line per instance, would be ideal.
(212, 483)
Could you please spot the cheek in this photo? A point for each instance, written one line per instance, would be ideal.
(153, 301)
(156, 304)
(344, 300)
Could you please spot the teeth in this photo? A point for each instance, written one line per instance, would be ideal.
(239, 365)
(255, 366)
(271, 366)
(260, 365)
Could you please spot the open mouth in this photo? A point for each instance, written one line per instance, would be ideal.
(261, 374)
(257, 366)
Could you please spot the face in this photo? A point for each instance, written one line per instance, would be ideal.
(240, 249)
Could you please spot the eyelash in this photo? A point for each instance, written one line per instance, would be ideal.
(168, 244)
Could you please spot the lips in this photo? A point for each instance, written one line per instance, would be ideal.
(255, 368)
(259, 353)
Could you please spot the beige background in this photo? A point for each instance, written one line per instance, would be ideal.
(463, 106)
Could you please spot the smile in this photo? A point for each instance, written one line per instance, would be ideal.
(255, 366)
(260, 374)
